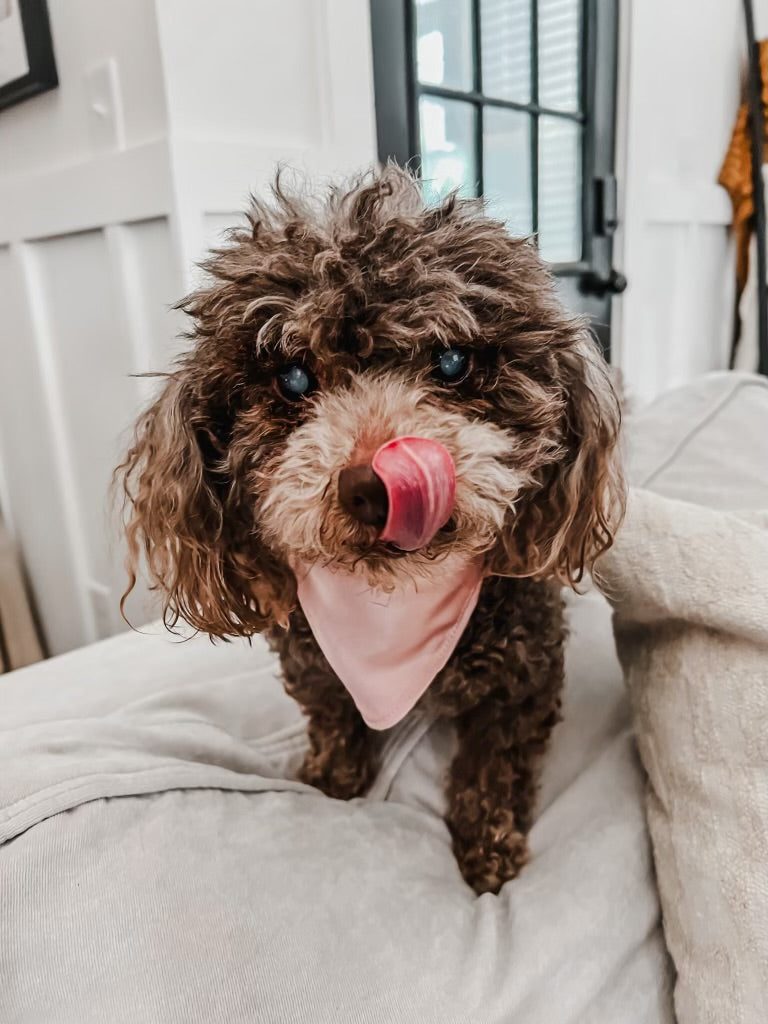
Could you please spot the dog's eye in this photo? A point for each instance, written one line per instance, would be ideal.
(295, 382)
(452, 365)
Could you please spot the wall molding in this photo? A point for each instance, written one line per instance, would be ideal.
(29, 271)
(133, 184)
(669, 201)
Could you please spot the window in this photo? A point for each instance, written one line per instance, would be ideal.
(500, 111)
(513, 100)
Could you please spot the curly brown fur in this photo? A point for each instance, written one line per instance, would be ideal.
(503, 686)
(228, 484)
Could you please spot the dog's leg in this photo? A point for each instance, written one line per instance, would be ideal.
(502, 690)
(492, 788)
(341, 757)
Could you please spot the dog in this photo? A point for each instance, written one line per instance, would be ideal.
(388, 449)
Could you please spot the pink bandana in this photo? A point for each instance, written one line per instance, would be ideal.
(387, 648)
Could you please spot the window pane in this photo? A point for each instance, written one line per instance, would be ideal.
(444, 43)
(505, 35)
(447, 146)
(559, 49)
(507, 167)
(559, 189)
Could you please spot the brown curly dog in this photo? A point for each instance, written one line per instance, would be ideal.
(328, 327)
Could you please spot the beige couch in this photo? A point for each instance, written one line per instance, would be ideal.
(158, 863)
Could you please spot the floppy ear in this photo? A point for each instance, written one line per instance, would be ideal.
(578, 500)
(181, 514)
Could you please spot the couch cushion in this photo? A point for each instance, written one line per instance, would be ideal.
(690, 589)
(688, 625)
(705, 443)
(159, 862)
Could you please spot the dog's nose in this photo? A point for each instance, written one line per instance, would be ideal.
(363, 495)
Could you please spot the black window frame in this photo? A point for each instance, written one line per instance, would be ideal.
(397, 91)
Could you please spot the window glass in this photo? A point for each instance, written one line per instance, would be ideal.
(447, 146)
(444, 43)
(505, 34)
(559, 189)
(559, 46)
(512, 74)
(507, 167)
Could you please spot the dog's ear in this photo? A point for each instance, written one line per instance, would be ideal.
(177, 503)
(577, 501)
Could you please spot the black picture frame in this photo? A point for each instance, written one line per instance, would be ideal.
(42, 74)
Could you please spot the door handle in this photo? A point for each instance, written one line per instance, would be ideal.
(612, 283)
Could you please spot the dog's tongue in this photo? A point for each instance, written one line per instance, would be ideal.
(420, 481)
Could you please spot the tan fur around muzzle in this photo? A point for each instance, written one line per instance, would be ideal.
(301, 514)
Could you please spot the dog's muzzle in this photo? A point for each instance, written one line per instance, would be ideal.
(407, 492)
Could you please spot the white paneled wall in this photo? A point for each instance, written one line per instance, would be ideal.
(680, 71)
(291, 83)
(36, 484)
(82, 312)
(80, 295)
(102, 218)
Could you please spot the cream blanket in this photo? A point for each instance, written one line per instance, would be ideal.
(158, 863)
(690, 590)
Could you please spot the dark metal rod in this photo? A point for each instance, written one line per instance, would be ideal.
(535, 111)
(493, 101)
(589, 174)
(477, 86)
(757, 136)
(414, 114)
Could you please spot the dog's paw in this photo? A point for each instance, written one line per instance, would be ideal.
(491, 859)
(488, 873)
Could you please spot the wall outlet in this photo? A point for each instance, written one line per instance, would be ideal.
(105, 106)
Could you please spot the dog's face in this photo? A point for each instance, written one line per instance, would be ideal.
(329, 329)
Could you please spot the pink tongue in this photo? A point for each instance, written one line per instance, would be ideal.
(420, 480)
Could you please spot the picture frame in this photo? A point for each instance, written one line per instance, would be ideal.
(27, 62)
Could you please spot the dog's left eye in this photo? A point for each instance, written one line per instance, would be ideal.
(295, 382)
(452, 365)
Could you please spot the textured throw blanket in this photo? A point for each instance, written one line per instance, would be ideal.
(690, 591)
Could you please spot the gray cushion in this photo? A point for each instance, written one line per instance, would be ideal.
(160, 864)
(706, 443)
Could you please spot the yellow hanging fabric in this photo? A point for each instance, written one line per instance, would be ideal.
(736, 175)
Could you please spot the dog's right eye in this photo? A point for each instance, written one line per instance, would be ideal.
(296, 382)
(452, 365)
